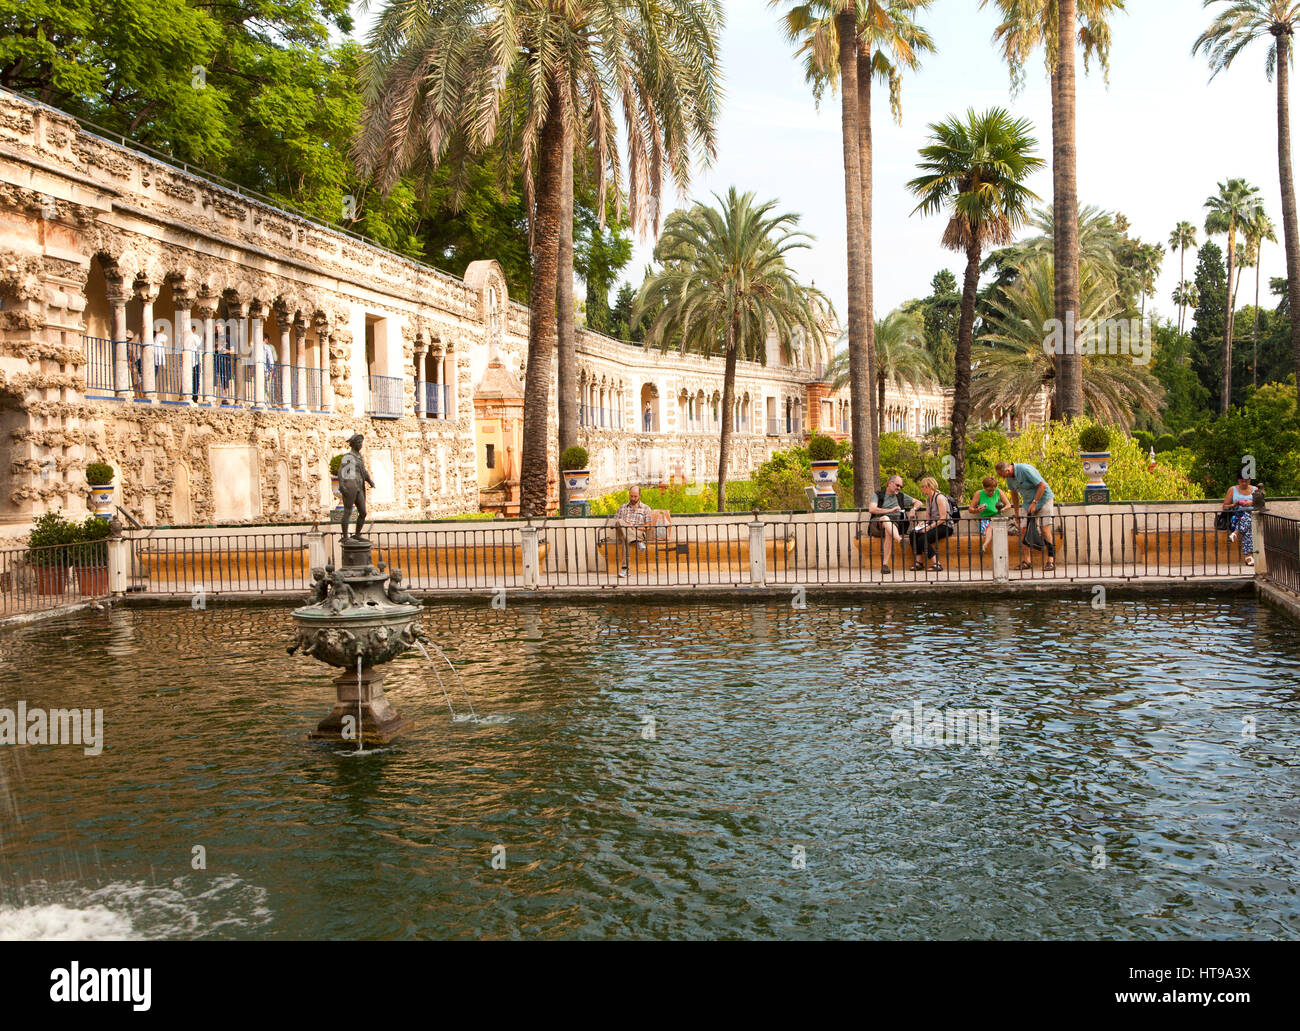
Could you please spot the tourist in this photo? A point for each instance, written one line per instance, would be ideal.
(1239, 502)
(134, 362)
(160, 358)
(1023, 480)
(647, 418)
(889, 513)
(934, 528)
(190, 360)
(630, 522)
(226, 363)
(987, 503)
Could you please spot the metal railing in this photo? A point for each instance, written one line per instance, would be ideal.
(437, 401)
(35, 579)
(99, 363)
(1282, 549)
(386, 397)
(197, 565)
(774, 549)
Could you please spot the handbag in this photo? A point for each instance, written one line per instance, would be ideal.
(1033, 537)
(1223, 520)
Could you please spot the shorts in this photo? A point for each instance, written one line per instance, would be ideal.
(984, 525)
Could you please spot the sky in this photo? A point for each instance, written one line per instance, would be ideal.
(1153, 143)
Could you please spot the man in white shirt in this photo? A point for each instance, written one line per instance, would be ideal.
(191, 361)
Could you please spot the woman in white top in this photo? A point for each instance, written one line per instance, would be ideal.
(1240, 500)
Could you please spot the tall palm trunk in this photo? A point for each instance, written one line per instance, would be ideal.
(1182, 278)
(728, 399)
(859, 381)
(566, 356)
(541, 323)
(1290, 233)
(1065, 210)
(1227, 323)
(869, 284)
(880, 411)
(961, 389)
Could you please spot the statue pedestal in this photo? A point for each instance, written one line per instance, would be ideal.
(356, 552)
(362, 710)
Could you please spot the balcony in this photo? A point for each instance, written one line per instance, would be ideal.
(437, 401)
(385, 397)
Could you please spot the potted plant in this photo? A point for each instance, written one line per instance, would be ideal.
(1094, 452)
(100, 476)
(337, 514)
(573, 467)
(825, 466)
(90, 555)
(49, 552)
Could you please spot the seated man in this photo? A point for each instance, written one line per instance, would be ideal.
(890, 509)
(630, 523)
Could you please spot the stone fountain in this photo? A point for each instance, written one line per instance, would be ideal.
(357, 619)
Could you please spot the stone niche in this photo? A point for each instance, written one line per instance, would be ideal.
(238, 494)
(379, 463)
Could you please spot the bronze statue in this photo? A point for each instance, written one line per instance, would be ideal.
(393, 589)
(320, 587)
(341, 594)
(353, 478)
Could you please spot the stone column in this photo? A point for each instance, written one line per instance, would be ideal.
(207, 311)
(1001, 551)
(286, 358)
(300, 362)
(255, 315)
(435, 351)
(117, 298)
(421, 349)
(449, 377)
(147, 293)
(326, 380)
(182, 379)
(757, 556)
(237, 313)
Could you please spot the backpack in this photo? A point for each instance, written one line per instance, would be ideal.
(954, 510)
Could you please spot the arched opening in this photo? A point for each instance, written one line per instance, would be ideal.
(649, 414)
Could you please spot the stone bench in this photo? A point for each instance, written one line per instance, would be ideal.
(960, 550)
(211, 567)
(446, 560)
(1180, 547)
(686, 553)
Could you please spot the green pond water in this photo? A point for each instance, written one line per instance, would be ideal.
(686, 770)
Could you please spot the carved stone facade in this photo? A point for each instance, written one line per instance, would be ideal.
(218, 351)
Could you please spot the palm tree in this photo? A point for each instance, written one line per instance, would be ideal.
(1230, 209)
(901, 358)
(1013, 368)
(1099, 239)
(1052, 24)
(854, 41)
(1150, 256)
(1243, 22)
(1183, 236)
(724, 283)
(1186, 295)
(442, 81)
(1258, 229)
(976, 167)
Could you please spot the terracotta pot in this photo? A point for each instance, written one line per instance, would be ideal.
(92, 581)
(51, 579)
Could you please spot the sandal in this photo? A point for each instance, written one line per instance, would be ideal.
(1025, 565)
(918, 567)
(936, 568)
(1250, 560)
(1049, 567)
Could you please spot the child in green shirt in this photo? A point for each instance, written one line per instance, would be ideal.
(986, 504)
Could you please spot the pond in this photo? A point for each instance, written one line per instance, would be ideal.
(684, 770)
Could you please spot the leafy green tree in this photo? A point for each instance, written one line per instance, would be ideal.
(1237, 25)
(1209, 319)
(1266, 427)
(724, 285)
(542, 83)
(1228, 212)
(1186, 400)
(976, 168)
(940, 315)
